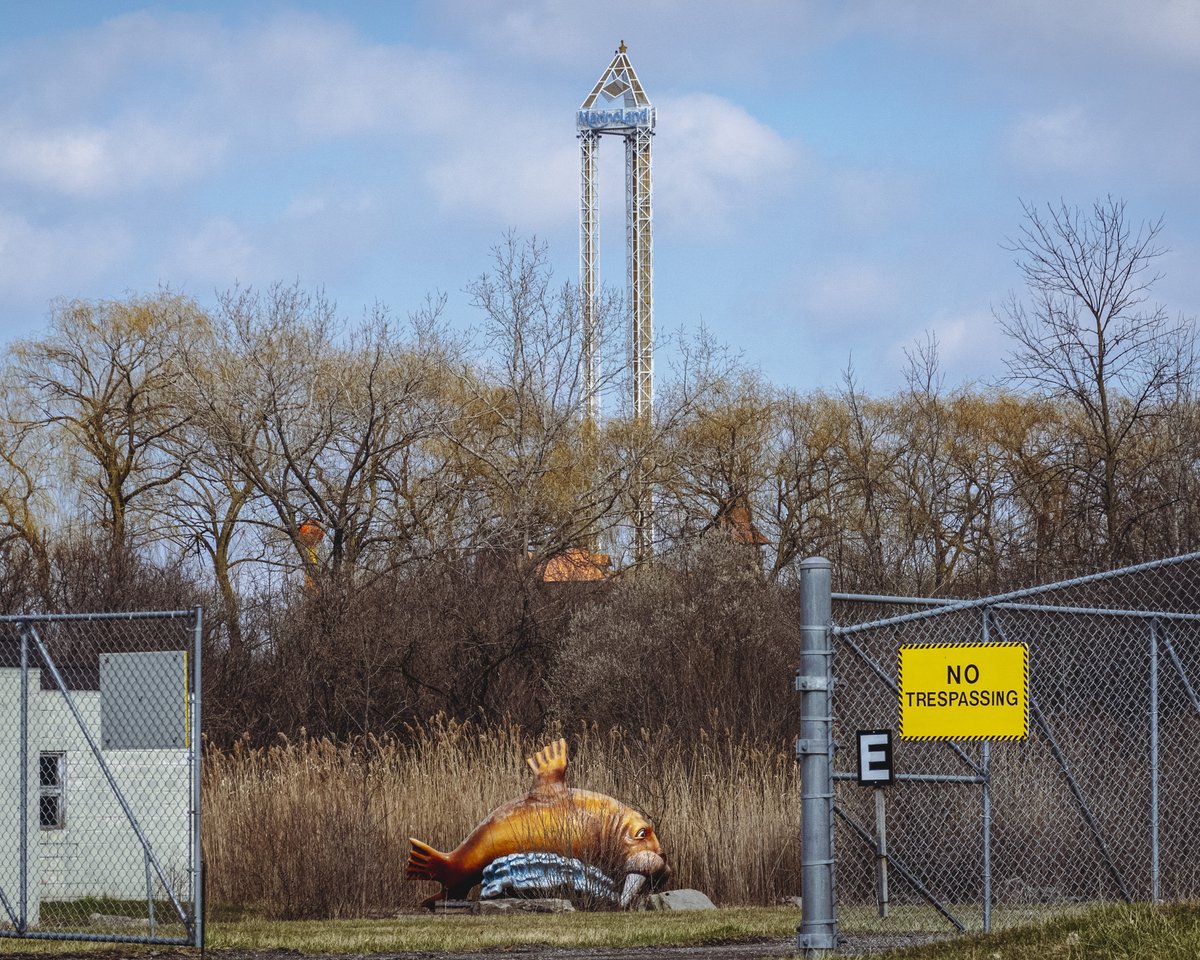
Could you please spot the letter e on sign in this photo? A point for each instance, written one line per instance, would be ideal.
(875, 758)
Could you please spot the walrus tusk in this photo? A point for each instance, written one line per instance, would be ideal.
(633, 884)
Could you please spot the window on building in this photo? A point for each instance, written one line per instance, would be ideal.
(53, 784)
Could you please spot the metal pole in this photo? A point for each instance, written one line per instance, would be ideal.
(987, 836)
(881, 853)
(197, 750)
(1154, 849)
(151, 920)
(817, 934)
(23, 802)
(987, 808)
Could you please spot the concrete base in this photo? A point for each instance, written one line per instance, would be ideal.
(520, 905)
(447, 907)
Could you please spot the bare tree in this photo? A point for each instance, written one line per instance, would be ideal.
(1087, 334)
(519, 432)
(322, 418)
(97, 386)
(25, 508)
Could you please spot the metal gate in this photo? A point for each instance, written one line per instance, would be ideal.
(1097, 804)
(100, 777)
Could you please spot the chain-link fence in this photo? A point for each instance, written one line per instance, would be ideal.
(1098, 803)
(99, 777)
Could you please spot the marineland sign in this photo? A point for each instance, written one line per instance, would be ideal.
(958, 691)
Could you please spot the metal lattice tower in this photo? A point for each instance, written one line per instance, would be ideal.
(619, 106)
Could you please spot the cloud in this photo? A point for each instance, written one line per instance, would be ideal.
(325, 81)
(528, 183)
(35, 259)
(1061, 140)
(1053, 35)
(91, 160)
(716, 162)
(218, 252)
(268, 87)
(969, 343)
(848, 291)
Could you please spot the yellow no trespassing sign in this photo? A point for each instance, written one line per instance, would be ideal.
(964, 691)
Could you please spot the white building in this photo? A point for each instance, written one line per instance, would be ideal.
(81, 842)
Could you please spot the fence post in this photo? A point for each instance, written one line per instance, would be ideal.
(986, 763)
(817, 934)
(23, 802)
(197, 758)
(1155, 888)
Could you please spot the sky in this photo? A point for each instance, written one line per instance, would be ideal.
(832, 182)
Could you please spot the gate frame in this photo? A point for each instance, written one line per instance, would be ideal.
(26, 624)
(817, 935)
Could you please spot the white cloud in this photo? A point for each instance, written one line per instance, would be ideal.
(715, 161)
(1061, 140)
(529, 182)
(218, 252)
(188, 88)
(91, 160)
(970, 345)
(37, 262)
(1057, 34)
(849, 291)
(327, 82)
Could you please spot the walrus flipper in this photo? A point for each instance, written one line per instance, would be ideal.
(549, 766)
(425, 863)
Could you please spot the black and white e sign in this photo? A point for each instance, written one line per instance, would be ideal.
(875, 758)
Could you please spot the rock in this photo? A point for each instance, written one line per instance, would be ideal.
(523, 905)
(679, 900)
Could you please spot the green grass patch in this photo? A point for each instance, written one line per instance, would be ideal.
(466, 933)
(1116, 932)
(1121, 932)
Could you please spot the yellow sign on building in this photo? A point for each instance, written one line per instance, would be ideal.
(960, 691)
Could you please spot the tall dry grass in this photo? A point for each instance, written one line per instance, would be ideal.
(314, 828)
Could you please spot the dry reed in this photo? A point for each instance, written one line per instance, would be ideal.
(315, 828)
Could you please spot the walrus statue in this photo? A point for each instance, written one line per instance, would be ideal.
(551, 818)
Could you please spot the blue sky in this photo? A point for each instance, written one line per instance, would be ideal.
(831, 180)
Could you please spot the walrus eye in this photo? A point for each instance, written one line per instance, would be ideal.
(641, 834)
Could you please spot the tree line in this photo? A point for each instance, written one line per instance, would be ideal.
(368, 508)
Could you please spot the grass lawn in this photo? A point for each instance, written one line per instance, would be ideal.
(1117, 932)
(1137, 932)
(464, 933)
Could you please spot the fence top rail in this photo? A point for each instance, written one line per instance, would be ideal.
(1031, 607)
(68, 617)
(899, 601)
(1100, 611)
(955, 606)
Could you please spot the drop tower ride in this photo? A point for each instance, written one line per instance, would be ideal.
(618, 106)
